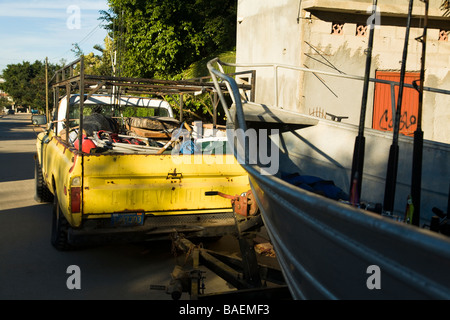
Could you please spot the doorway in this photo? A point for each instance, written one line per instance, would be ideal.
(385, 103)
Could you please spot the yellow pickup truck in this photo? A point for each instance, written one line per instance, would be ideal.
(130, 183)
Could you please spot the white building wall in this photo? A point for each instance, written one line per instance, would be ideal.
(281, 32)
(268, 33)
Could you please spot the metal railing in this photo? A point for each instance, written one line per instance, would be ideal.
(276, 67)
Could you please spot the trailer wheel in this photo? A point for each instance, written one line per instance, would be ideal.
(43, 194)
(60, 227)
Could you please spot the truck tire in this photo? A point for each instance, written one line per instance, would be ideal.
(43, 194)
(60, 227)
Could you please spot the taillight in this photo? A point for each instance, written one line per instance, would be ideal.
(75, 195)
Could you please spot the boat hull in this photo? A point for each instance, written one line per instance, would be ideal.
(329, 250)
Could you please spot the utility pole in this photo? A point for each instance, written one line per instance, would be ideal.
(46, 89)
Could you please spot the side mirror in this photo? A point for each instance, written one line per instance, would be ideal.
(38, 119)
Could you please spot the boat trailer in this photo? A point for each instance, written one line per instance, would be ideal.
(251, 279)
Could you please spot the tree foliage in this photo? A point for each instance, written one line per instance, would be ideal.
(4, 102)
(25, 83)
(161, 38)
(95, 64)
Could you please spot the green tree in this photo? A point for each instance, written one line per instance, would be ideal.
(105, 65)
(4, 102)
(25, 83)
(161, 38)
(97, 64)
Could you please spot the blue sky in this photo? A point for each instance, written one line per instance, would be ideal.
(32, 30)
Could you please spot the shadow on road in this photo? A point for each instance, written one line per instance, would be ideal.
(32, 269)
(17, 127)
(16, 166)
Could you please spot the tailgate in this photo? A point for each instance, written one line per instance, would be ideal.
(158, 185)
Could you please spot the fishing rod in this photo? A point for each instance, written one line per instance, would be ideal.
(416, 179)
(360, 141)
(391, 175)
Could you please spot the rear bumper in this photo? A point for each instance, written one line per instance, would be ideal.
(100, 231)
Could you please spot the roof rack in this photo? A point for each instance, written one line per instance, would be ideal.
(73, 74)
(73, 77)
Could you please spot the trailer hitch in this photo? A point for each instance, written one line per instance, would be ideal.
(244, 204)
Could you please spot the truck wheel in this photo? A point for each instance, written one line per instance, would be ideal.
(60, 227)
(43, 194)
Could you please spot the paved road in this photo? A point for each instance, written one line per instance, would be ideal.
(30, 268)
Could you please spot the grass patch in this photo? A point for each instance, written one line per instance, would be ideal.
(199, 69)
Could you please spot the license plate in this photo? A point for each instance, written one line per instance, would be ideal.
(127, 219)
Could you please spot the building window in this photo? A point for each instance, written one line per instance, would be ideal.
(443, 35)
(337, 28)
(361, 30)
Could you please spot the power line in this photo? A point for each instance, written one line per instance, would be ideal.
(89, 34)
(86, 37)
